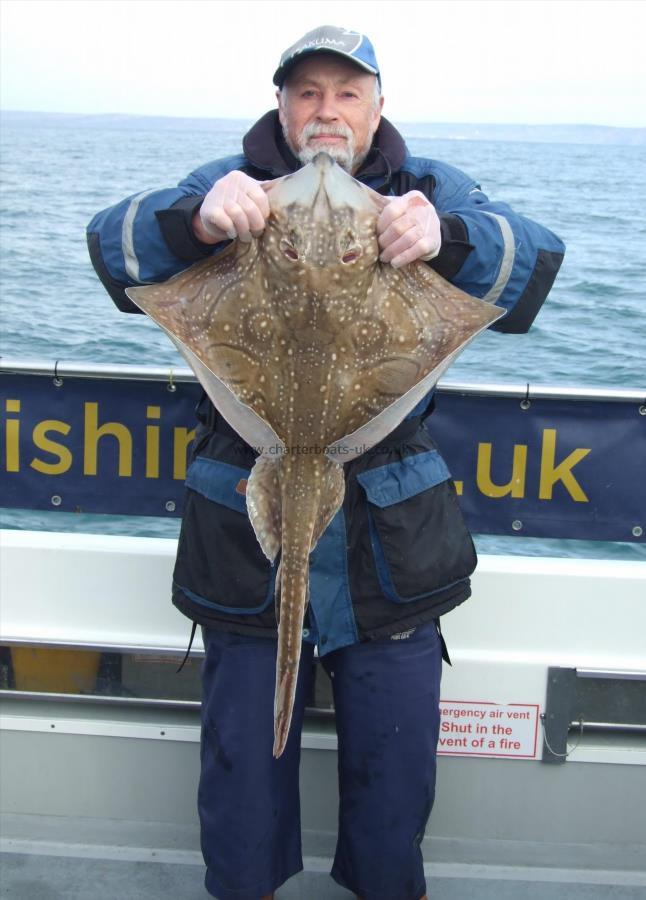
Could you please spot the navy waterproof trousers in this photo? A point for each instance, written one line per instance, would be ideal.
(386, 696)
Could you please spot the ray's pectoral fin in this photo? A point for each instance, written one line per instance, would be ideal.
(430, 322)
(199, 309)
(177, 303)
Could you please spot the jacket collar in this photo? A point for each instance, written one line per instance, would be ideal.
(265, 148)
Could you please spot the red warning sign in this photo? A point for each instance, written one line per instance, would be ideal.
(475, 728)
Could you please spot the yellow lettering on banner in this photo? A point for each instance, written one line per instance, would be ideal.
(459, 487)
(152, 443)
(550, 473)
(515, 486)
(12, 436)
(93, 433)
(182, 437)
(42, 442)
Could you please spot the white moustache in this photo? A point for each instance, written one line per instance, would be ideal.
(316, 128)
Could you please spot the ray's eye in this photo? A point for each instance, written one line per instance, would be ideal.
(350, 247)
(288, 249)
(351, 255)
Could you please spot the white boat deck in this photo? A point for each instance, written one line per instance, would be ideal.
(50, 865)
(98, 799)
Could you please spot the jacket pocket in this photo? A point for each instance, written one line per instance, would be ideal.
(219, 562)
(419, 539)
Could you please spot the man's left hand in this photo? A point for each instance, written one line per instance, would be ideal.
(408, 229)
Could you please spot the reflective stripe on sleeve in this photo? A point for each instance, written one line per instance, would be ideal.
(509, 251)
(128, 236)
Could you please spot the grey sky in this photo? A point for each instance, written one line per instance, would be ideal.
(552, 61)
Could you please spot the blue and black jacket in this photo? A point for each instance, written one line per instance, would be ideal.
(398, 553)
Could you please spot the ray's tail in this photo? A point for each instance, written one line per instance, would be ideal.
(300, 507)
(311, 489)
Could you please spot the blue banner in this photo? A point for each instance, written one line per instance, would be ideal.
(565, 468)
(569, 468)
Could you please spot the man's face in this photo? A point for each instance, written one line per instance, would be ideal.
(329, 104)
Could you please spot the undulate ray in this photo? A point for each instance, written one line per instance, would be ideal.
(313, 351)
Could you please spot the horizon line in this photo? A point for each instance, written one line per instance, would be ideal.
(130, 115)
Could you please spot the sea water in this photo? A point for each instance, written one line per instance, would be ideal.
(58, 171)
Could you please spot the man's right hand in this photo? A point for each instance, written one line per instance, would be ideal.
(235, 207)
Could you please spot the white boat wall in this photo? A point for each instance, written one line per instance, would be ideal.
(542, 768)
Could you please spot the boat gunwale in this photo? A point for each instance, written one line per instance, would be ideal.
(61, 369)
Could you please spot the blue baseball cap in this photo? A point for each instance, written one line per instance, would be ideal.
(328, 38)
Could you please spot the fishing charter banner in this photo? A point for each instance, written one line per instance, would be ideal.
(553, 467)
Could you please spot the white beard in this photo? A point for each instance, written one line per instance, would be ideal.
(344, 154)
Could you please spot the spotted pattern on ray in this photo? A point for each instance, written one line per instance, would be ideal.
(302, 334)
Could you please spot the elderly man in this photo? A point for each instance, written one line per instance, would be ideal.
(383, 573)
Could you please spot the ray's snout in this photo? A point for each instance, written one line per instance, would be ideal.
(321, 183)
(323, 161)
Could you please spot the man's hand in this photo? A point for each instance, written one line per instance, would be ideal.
(235, 207)
(408, 229)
